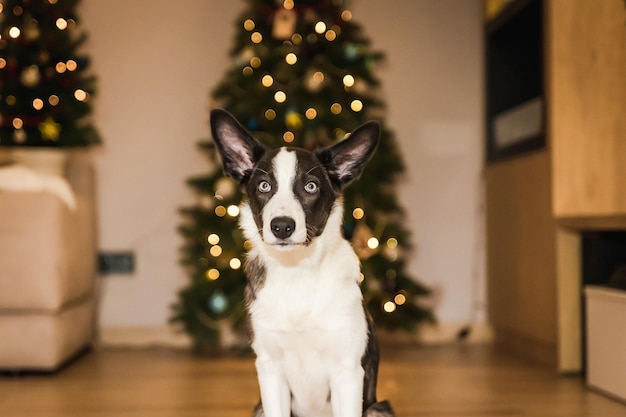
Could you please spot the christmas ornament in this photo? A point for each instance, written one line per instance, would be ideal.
(284, 24)
(49, 129)
(30, 76)
(293, 120)
(218, 303)
(352, 52)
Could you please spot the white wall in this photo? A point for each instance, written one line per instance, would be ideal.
(157, 60)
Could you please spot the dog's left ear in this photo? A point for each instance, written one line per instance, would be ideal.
(239, 150)
(346, 160)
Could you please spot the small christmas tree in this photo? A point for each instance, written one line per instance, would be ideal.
(45, 91)
(302, 76)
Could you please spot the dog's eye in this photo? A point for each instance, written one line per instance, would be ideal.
(310, 187)
(265, 187)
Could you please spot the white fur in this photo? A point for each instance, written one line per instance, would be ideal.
(310, 330)
(284, 203)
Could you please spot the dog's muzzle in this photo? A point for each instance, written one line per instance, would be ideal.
(282, 227)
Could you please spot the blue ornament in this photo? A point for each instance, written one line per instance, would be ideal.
(218, 303)
(252, 124)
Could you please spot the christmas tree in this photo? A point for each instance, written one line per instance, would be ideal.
(302, 75)
(45, 91)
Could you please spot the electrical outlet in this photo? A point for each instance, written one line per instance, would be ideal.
(116, 263)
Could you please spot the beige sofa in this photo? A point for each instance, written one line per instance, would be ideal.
(47, 273)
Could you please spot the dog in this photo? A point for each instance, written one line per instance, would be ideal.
(316, 351)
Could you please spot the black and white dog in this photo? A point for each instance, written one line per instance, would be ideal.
(316, 352)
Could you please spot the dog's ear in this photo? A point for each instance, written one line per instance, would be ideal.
(239, 151)
(345, 160)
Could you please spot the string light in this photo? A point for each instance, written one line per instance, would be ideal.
(233, 210)
(288, 4)
(389, 307)
(256, 37)
(288, 137)
(320, 27)
(61, 23)
(291, 58)
(220, 211)
(270, 114)
(38, 104)
(215, 251)
(248, 25)
(71, 65)
(392, 243)
(267, 80)
(255, 62)
(358, 213)
(247, 71)
(348, 80)
(80, 95)
(346, 15)
(212, 274)
(18, 123)
(335, 108)
(372, 243)
(14, 32)
(53, 100)
(296, 39)
(399, 299)
(235, 263)
(60, 67)
(356, 105)
(213, 239)
(11, 100)
(310, 113)
(330, 35)
(3, 63)
(280, 96)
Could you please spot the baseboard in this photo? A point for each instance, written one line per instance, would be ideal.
(164, 336)
(143, 337)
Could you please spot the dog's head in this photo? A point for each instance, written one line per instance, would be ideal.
(291, 191)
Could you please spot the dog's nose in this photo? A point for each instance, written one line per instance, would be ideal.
(283, 227)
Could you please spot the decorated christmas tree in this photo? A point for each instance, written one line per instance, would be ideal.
(302, 75)
(45, 90)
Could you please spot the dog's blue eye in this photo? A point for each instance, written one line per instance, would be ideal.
(310, 187)
(265, 187)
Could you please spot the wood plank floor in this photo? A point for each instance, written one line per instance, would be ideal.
(461, 381)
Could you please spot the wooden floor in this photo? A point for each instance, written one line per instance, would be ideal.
(462, 381)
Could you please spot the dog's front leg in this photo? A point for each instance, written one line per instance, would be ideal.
(275, 394)
(346, 385)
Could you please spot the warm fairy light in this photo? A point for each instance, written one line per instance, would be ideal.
(255, 62)
(220, 211)
(372, 243)
(348, 80)
(361, 277)
(212, 274)
(71, 65)
(53, 100)
(291, 58)
(38, 104)
(330, 35)
(52, 1)
(256, 37)
(213, 239)
(17, 11)
(61, 23)
(215, 251)
(318, 76)
(310, 113)
(320, 27)
(233, 210)
(18, 123)
(392, 243)
(80, 95)
(14, 32)
(11, 100)
(248, 24)
(270, 114)
(235, 263)
(399, 299)
(296, 39)
(3, 63)
(247, 71)
(267, 80)
(389, 307)
(341, 134)
(335, 108)
(288, 4)
(358, 213)
(60, 67)
(356, 105)
(288, 136)
(280, 96)
(346, 15)
(336, 29)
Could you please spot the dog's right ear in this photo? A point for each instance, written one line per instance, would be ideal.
(239, 151)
